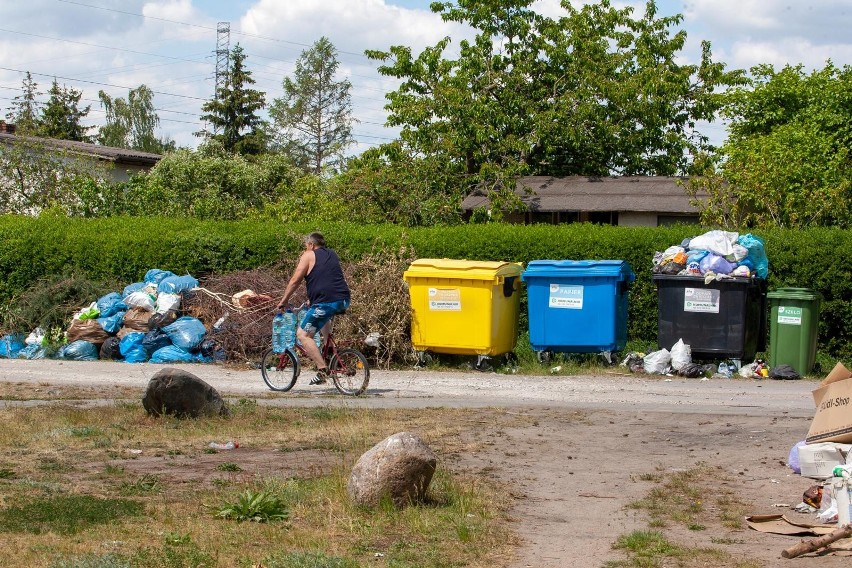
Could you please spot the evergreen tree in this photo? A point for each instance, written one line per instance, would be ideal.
(61, 116)
(131, 122)
(233, 113)
(24, 112)
(314, 117)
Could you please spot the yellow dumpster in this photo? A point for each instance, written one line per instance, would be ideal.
(464, 307)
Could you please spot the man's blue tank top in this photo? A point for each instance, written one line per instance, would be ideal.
(325, 281)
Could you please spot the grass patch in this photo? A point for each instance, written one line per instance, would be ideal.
(65, 514)
(156, 479)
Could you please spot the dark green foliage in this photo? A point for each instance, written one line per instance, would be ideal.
(125, 248)
(65, 514)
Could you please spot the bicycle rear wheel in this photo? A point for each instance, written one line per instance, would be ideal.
(279, 370)
(350, 371)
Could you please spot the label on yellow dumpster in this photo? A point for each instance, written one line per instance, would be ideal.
(569, 297)
(445, 299)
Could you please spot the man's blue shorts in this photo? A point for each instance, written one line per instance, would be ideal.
(319, 314)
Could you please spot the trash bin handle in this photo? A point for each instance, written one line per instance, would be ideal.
(511, 284)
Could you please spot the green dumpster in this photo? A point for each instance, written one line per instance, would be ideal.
(793, 326)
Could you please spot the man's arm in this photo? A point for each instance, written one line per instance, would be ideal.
(298, 275)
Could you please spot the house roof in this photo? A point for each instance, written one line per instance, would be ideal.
(657, 194)
(108, 153)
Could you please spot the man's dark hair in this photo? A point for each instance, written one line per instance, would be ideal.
(316, 238)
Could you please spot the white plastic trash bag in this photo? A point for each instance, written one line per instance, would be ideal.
(716, 241)
(140, 299)
(36, 337)
(657, 362)
(681, 355)
(166, 302)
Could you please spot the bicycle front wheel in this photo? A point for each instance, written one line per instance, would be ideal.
(350, 371)
(279, 370)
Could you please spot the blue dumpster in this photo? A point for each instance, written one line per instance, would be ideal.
(577, 306)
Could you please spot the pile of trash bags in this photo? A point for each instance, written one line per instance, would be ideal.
(715, 253)
(678, 361)
(142, 323)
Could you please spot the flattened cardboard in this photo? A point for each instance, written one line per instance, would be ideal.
(833, 399)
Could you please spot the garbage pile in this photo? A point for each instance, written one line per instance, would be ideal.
(715, 254)
(142, 323)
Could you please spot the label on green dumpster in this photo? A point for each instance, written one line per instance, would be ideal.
(445, 299)
(790, 315)
(703, 300)
(562, 296)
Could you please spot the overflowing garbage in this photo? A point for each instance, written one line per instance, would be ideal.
(143, 322)
(715, 254)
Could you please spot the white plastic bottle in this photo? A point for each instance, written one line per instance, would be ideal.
(226, 446)
(278, 333)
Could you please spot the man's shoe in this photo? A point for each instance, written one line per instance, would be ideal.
(320, 378)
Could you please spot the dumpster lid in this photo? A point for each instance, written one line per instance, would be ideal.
(794, 294)
(462, 269)
(602, 268)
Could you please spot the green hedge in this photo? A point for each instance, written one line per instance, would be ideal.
(125, 248)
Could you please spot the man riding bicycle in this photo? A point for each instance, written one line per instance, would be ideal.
(328, 294)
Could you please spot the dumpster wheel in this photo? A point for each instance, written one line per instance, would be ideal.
(544, 357)
(423, 358)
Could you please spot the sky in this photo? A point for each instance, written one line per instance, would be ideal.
(169, 45)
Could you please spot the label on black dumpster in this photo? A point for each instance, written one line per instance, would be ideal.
(704, 300)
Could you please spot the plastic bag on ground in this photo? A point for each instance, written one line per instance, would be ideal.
(86, 330)
(36, 337)
(657, 362)
(177, 284)
(174, 354)
(110, 350)
(681, 355)
(154, 340)
(140, 299)
(79, 350)
(137, 319)
(187, 332)
(113, 323)
(784, 372)
(131, 347)
(162, 320)
(691, 371)
(10, 345)
(793, 457)
(32, 351)
(90, 312)
(166, 302)
(130, 288)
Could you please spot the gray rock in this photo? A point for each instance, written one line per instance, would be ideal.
(178, 392)
(399, 467)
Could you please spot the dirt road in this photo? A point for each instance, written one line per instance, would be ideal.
(582, 454)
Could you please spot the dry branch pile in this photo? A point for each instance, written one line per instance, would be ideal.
(380, 306)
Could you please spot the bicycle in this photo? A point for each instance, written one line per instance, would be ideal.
(347, 367)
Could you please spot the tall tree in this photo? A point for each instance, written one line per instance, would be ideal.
(595, 91)
(233, 113)
(24, 112)
(130, 123)
(788, 158)
(314, 117)
(61, 117)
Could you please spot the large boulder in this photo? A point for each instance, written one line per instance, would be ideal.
(178, 392)
(399, 467)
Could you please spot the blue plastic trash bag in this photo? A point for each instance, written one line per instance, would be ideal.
(112, 323)
(10, 345)
(154, 340)
(110, 304)
(155, 276)
(130, 288)
(756, 254)
(80, 350)
(177, 284)
(174, 354)
(32, 351)
(132, 349)
(187, 332)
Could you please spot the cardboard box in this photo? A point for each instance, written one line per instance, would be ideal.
(818, 460)
(833, 399)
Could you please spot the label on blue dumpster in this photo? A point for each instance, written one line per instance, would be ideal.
(562, 296)
(790, 315)
(445, 299)
(703, 300)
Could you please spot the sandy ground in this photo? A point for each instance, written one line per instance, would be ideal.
(578, 458)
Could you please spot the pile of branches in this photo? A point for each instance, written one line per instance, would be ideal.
(378, 321)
